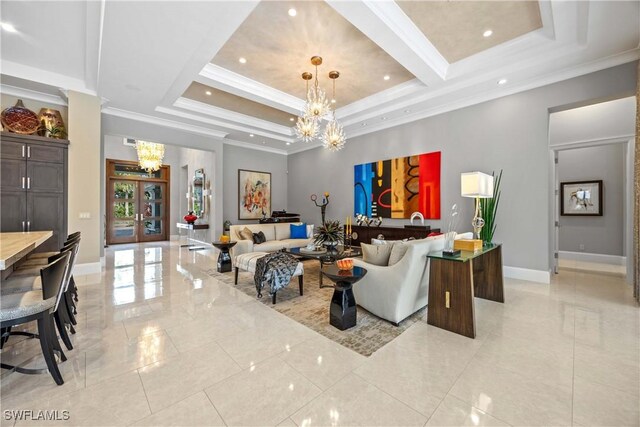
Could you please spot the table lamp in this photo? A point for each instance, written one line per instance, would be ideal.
(479, 186)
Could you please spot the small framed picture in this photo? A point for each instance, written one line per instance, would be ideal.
(581, 198)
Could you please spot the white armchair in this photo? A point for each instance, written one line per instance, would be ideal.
(396, 292)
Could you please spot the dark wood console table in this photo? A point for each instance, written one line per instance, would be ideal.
(364, 234)
(455, 281)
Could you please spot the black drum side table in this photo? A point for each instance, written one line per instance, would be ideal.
(342, 312)
(224, 259)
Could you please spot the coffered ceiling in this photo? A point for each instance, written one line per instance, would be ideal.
(454, 27)
(155, 61)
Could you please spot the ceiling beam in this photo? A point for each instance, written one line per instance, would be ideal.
(389, 27)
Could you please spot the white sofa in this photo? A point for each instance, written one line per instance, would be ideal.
(278, 237)
(396, 292)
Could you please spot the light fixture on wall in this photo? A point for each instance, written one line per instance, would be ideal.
(479, 186)
(150, 155)
(316, 108)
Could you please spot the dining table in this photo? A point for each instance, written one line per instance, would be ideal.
(15, 246)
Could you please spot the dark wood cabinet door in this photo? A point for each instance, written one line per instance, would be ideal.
(13, 150)
(14, 210)
(44, 153)
(45, 211)
(45, 177)
(13, 174)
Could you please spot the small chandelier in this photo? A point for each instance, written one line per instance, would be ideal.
(317, 105)
(306, 126)
(333, 138)
(150, 155)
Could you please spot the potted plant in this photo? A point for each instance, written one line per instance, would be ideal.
(489, 209)
(329, 234)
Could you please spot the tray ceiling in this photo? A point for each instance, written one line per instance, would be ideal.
(278, 47)
(221, 99)
(456, 27)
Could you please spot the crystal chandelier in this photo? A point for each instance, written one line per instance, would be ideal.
(150, 155)
(316, 108)
(317, 105)
(333, 138)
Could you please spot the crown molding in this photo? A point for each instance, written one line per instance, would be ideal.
(409, 88)
(199, 130)
(214, 122)
(47, 77)
(532, 83)
(232, 116)
(395, 19)
(250, 146)
(221, 78)
(19, 92)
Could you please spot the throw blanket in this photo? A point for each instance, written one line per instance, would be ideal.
(274, 270)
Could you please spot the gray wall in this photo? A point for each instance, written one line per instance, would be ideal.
(509, 133)
(241, 158)
(600, 234)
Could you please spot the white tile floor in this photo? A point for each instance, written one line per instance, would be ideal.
(160, 342)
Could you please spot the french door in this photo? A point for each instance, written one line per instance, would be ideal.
(137, 209)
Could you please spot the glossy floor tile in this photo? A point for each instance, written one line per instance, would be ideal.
(160, 342)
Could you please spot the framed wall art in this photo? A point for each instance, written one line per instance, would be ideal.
(581, 198)
(396, 188)
(254, 194)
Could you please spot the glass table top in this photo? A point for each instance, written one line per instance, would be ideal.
(465, 255)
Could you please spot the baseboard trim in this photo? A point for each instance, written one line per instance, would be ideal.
(87, 268)
(539, 276)
(589, 257)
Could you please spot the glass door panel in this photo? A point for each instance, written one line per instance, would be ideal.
(123, 211)
(152, 202)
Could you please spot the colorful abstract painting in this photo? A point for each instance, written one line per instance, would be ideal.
(254, 194)
(398, 187)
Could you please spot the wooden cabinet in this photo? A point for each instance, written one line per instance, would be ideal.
(33, 189)
(364, 234)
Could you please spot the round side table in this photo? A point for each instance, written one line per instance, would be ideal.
(224, 259)
(342, 312)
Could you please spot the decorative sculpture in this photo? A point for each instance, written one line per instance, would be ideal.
(323, 206)
(450, 235)
(417, 215)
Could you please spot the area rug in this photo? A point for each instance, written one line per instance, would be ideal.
(312, 310)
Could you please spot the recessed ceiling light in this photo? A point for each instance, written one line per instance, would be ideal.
(502, 81)
(291, 119)
(487, 33)
(251, 135)
(292, 12)
(407, 111)
(288, 143)
(208, 93)
(242, 60)
(387, 77)
(264, 142)
(384, 118)
(363, 124)
(8, 27)
(333, 101)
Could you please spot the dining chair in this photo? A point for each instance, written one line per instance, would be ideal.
(39, 306)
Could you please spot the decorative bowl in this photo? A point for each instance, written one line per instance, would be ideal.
(344, 264)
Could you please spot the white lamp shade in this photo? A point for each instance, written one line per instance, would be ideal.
(476, 184)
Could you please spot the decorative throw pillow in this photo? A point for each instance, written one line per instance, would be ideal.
(246, 234)
(257, 238)
(397, 252)
(298, 231)
(376, 254)
(309, 231)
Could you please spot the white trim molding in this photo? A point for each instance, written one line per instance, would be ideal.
(45, 98)
(589, 257)
(164, 122)
(540, 276)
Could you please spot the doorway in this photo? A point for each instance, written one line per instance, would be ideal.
(137, 203)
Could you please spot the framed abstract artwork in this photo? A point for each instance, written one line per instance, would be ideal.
(581, 198)
(254, 194)
(398, 187)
